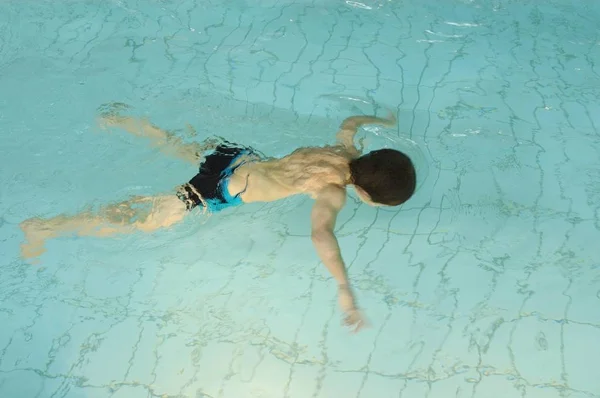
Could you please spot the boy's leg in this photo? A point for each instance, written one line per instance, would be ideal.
(166, 141)
(145, 214)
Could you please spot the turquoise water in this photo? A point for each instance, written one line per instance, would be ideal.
(485, 284)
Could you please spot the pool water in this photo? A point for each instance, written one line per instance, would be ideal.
(485, 284)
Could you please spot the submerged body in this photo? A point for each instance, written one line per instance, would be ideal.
(232, 175)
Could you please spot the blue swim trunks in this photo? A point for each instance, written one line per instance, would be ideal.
(209, 186)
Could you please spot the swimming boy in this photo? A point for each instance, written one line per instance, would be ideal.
(232, 174)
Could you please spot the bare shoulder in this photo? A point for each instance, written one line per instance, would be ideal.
(327, 151)
(332, 195)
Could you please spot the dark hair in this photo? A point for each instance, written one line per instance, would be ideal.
(387, 175)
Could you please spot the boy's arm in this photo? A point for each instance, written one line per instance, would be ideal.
(324, 213)
(350, 126)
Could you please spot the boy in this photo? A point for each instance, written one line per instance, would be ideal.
(233, 174)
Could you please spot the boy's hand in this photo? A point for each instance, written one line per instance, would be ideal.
(352, 316)
(355, 320)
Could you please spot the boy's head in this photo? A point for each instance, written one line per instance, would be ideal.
(384, 176)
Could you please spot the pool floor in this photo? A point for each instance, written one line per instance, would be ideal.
(485, 284)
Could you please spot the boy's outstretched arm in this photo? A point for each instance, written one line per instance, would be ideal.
(349, 128)
(324, 213)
